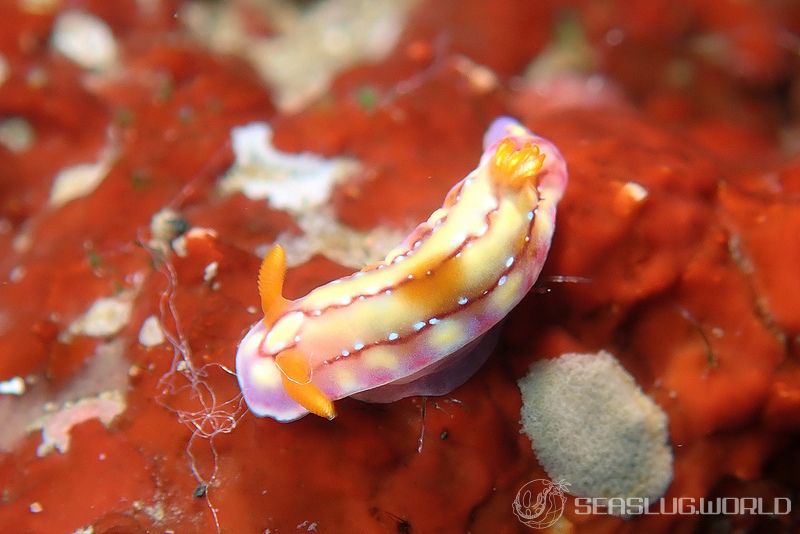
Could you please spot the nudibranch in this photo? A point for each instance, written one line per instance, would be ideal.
(420, 321)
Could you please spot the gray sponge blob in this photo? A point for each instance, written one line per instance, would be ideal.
(594, 429)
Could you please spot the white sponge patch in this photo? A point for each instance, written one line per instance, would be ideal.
(594, 429)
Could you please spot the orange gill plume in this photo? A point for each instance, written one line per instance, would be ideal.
(513, 166)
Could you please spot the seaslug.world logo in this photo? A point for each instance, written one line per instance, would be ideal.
(540, 503)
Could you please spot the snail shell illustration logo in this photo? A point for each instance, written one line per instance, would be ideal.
(540, 503)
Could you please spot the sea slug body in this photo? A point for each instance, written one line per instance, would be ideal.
(415, 323)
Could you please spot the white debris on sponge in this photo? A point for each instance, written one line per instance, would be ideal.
(40, 7)
(85, 39)
(155, 511)
(79, 180)
(97, 391)
(593, 428)
(310, 45)
(634, 191)
(5, 70)
(482, 79)
(105, 317)
(221, 26)
(181, 244)
(210, 271)
(166, 226)
(151, 333)
(324, 234)
(56, 428)
(300, 63)
(16, 134)
(292, 182)
(12, 386)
